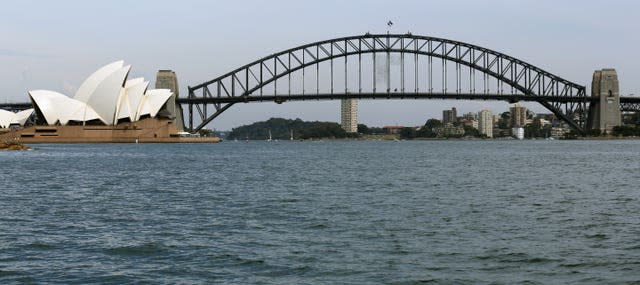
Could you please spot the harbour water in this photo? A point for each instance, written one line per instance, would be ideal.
(333, 212)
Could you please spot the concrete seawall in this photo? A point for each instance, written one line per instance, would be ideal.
(148, 130)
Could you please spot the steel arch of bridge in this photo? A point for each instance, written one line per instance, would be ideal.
(567, 100)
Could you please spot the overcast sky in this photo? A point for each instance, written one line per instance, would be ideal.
(54, 45)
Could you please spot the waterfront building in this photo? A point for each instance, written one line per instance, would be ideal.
(518, 115)
(449, 116)
(392, 129)
(499, 133)
(106, 97)
(496, 118)
(349, 115)
(470, 123)
(471, 116)
(107, 108)
(485, 123)
(544, 122)
(559, 132)
(449, 130)
(518, 132)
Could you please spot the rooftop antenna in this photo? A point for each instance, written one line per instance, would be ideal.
(389, 25)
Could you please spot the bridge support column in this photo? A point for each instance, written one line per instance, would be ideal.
(605, 113)
(167, 79)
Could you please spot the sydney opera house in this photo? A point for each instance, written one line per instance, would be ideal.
(107, 107)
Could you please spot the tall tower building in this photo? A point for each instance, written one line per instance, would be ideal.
(349, 115)
(167, 79)
(449, 116)
(485, 123)
(518, 116)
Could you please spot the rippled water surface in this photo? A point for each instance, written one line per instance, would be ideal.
(344, 212)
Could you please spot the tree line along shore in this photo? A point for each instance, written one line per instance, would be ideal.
(297, 129)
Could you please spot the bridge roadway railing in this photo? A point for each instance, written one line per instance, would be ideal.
(511, 98)
(630, 104)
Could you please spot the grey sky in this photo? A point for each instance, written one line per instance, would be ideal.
(55, 44)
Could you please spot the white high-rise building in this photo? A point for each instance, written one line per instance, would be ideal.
(485, 123)
(349, 115)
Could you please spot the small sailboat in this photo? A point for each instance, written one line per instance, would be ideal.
(269, 139)
(291, 137)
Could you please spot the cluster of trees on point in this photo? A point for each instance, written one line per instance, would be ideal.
(366, 130)
(631, 126)
(626, 131)
(537, 130)
(281, 129)
(428, 130)
(434, 128)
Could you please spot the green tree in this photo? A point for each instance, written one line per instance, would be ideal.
(594, 133)
(363, 129)
(376, 130)
(626, 131)
(425, 132)
(505, 120)
(471, 131)
(635, 118)
(533, 130)
(408, 133)
(282, 128)
(432, 124)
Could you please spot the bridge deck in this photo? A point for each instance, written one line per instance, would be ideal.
(336, 96)
(512, 98)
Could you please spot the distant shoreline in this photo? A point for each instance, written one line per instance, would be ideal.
(446, 139)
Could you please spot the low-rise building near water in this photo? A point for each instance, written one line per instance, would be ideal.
(107, 107)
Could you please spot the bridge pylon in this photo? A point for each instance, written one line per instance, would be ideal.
(604, 114)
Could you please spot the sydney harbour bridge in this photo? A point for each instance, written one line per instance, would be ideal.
(389, 66)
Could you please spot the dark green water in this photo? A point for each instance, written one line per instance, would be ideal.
(348, 212)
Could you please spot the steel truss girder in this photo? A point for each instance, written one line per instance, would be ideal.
(630, 107)
(14, 107)
(244, 85)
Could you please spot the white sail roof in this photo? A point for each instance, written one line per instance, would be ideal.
(21, 117)
(51, 104)
(130, 98)
(5, 118)
(106, 95)
(78, 112)
(104, 99)
(56, 107)
(91, 83)
(8, 118)
(153, 102)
